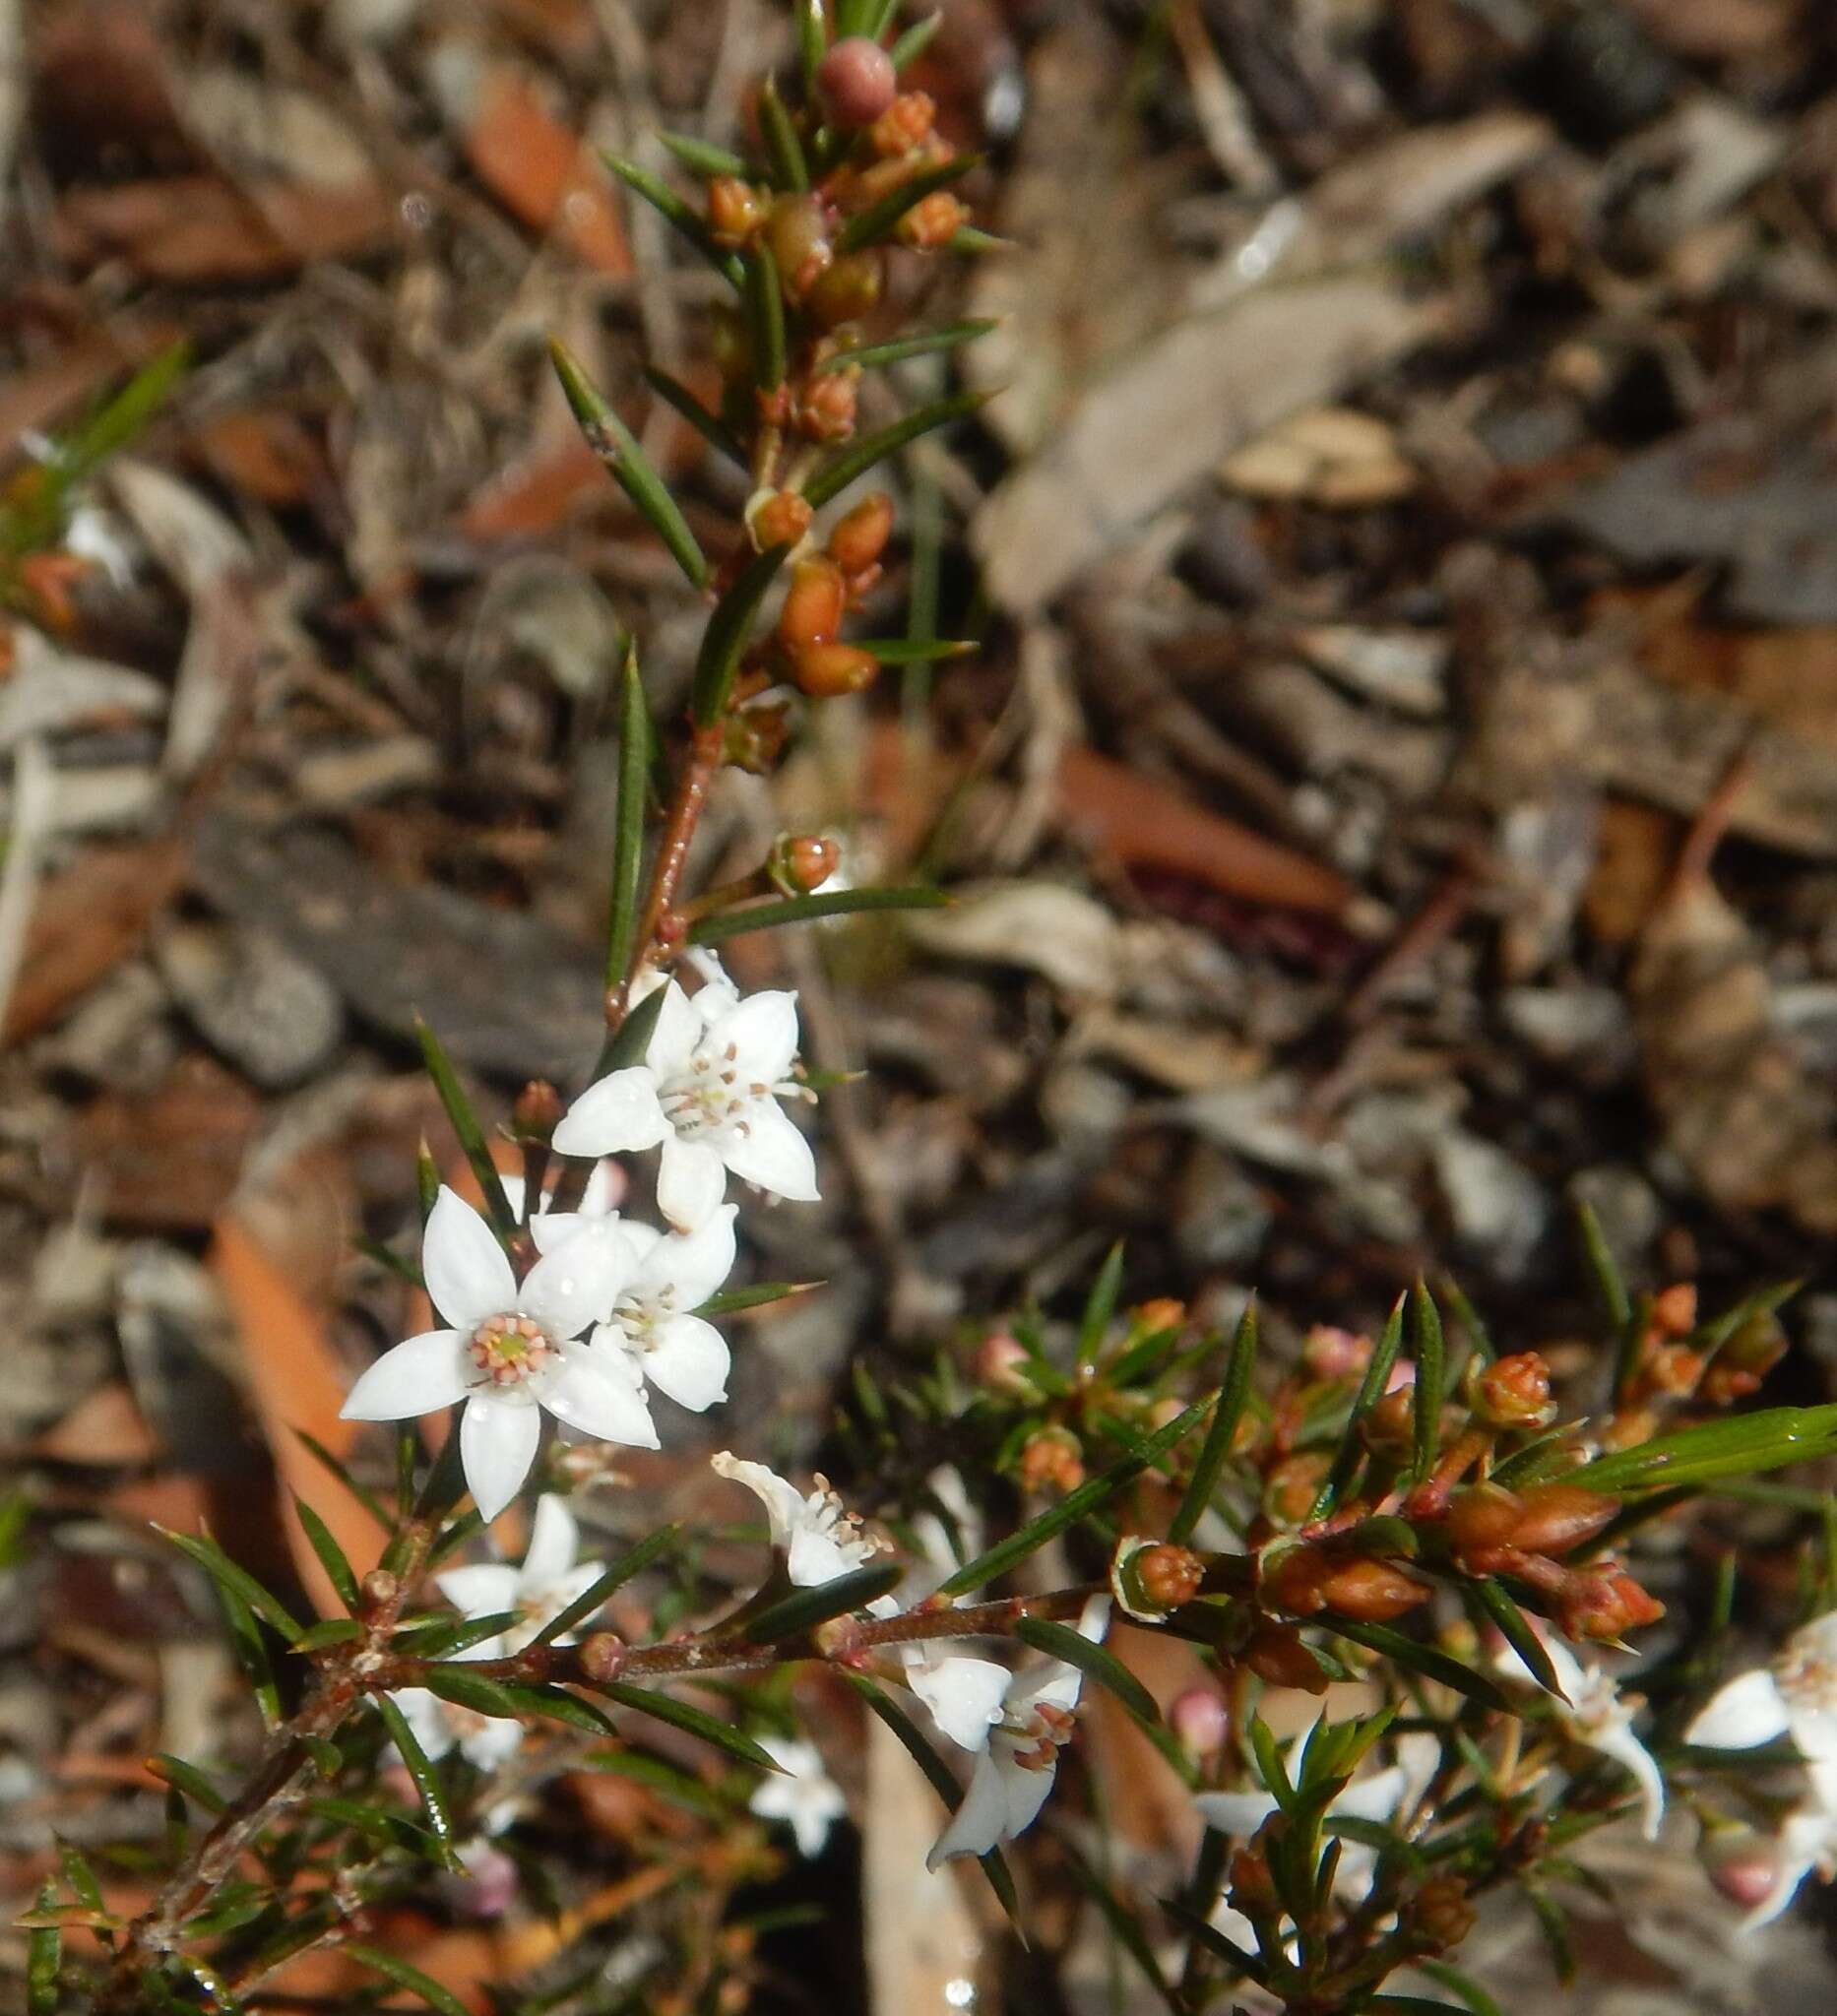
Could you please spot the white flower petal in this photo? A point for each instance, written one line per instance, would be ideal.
(497, 1446)
(1024, 1786)
(614, 1117)
(964, 1695)
(975, 1826)
(763, 1033)
(782, 1500)
(815, 1557)
(1749, 1710)
(425, 1714)
(420, 1374)
(466, 1273)
(1237, 1813)
(688, 1359)
(695, 1265)
(771, 1153)
(492, 1741)
(562, 1592)
(554, 1542)
(1814, 1732)
(1372, 1798)
(802, 1793)
(481, 1589)
(690, 1183)
(1619, 1741)
(591, 1393)
(679, 1028)
(577, 1283)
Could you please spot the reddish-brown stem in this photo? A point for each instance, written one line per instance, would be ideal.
(673, 854)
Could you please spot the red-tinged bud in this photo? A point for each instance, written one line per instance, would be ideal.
(828, 671)
(1745, 1867)
(1487, 1516)
(1389, 1429)
(797, 231)
(752, 740)
(1439, 1916)
(811, 613)
(1330, 1353)
(1371, 1592)
(806, 861)
(848, 290)
(1001, 1365)
(859, 536)
(933, 221)
(1291, 1489)
(537, 1113)
(1200, 1722)
(1628, 1428)
(1160, 1312)
(1674, 1310)
(780, 518)
(1672, 1369)
(1053, 1459)
(1150, 1579)
(825, 405)
(904, 123)
(736, 209)
(1276, 1655)
(1739, 1367)
(1558, 1518)
(858, 81)
(603, 1655)
(1606, 1603)
(1513, 1391)
(1253, 1887)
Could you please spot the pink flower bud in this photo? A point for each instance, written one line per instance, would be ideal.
(1198, 1717)
(858, 81)
(1001, 1365)
(1741, 1864)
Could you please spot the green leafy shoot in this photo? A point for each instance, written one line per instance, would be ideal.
(1737, 1447)
(722, 1736)
(877, 221)
(634, 769)
(783, 150)
(467, 1130)
(804, 1609)
(422, 1772)
(1234, 1396)
(765, 316)
(1431, 1365)
(808, 910)
(675, 211)
(872, 355)
(331, 1556)
(726, 637)
(633, 1563)
(702, 158)
(712, 428)
(1371, 1392)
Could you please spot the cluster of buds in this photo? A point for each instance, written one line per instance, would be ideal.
(1672, 1364)
(1306, 1579)
(823, 587)
(1152, 1578)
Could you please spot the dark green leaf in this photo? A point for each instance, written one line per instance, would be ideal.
(404, 1976)
(618, 448)
(1479, 1338)
(1432, 1366)
(1427, 1660)
(668, 1781)
(80, 1876)
(765, 317)
(634, 770)
(421, 1768)
(1234, 1393)
(937, 1771)
(559, 1705)
(1470, 1993)
(691, 1720)
(915, 41)
(628, 1564)
(804, 1609)
(923, 345)
(712, 428)
(188, 1778)
(805, 910)
(860, 456)
(1096, 1662)
(1371, 1392)
(227, 1575)
(670, 206)
(702, 158)
(334, 1631)
(1515, 1628)
(1270, 1767)
(1718, 1449)
(44, 1951)
(724, 639)
(444, 1636)
(631, 1039)
(783, 150)
(730, 1301)
(877, 221)
(467, 1131)
(1100, 1306)
(1609, 1284)
(813, 42)
(1075, 1505)
(331, 1556)
(1553, 1922)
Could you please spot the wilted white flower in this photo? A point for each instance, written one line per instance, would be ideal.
(801, 1794)
(549, 1579)
(819, 1538)
(1795, 1695)
(707, 1093)
(513, 1349)
(652, 1319)
(1807, 1844)
(1596, 1715)
(1015, 1770)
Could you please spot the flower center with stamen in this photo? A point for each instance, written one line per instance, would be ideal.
(1043, 1733)
(828, 1515)
(709, 1095)
(508, 1349)
(1806, 1670)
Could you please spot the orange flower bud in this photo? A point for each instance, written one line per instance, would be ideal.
(1289, 1489)
(1160, 1312)
(1052, 1458)
(1389, 1429)
(736, 209)
(537, 1113)
(1558, 1518)
(1513, 1391)
(1439, 1916)
(602, 1655)
(846, 291)
(1330, 1353)
(858, 81)
(933, 221)
(825, 405)
(1370, 1591)
(1673, 1309)
(1606, 1603)
(811, 613)
(806, 861)
(859, 536)
(797, 231)
(1252, 1888)
(1672, 1368)
(904, 124)
(827, 671)
(1487, 1516)
(1276, 1654)
(780, 519)
(1152, 1578)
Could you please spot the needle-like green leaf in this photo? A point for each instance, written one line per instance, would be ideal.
(860, 456)
(725, 638)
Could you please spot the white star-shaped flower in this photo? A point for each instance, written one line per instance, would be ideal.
(1595, 1715)
(819, 1538)
(707, 1093)
(549, 1579)
(654, 1320)
(1015, 1770)
(1795, 1695)
(802, 1794)
(513, 1350)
